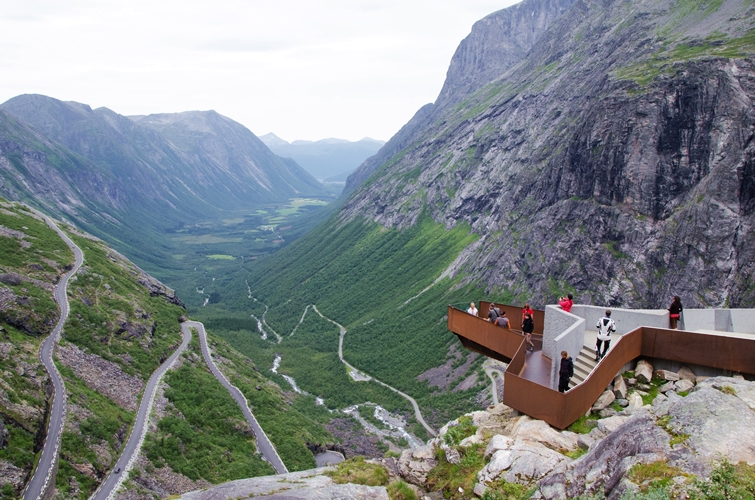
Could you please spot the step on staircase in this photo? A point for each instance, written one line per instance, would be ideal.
(583, 365)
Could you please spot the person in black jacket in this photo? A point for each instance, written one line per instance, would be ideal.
(527, 326)
(565, 372)
(675, 311)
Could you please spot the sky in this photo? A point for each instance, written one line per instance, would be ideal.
(300, 69)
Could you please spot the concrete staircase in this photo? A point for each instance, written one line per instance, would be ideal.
(583, 365)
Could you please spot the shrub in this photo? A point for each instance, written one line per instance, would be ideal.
(399, 490)
(357, 471)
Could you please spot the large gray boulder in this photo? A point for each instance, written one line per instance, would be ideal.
(741, 389)
(414, 465)
(619, 387)
(603, 401)
(644, 371)
(524, 462)
(601, 469)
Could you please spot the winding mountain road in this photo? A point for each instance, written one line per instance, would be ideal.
(139, 430)
(48, 459)
(263, 443)
(360, 375)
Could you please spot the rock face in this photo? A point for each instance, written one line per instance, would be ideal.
(624, 166)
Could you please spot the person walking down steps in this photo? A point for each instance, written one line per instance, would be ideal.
(606, 326)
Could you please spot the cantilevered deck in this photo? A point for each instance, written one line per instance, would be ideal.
(527, 378)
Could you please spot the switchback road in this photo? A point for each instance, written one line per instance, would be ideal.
(41, 479)
(263, 443)
(138, 431)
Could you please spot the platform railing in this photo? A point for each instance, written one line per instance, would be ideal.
(561, 410)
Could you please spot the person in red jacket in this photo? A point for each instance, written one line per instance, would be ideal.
(527, 310)
(566, 302)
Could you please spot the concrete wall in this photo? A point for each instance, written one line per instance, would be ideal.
(626, 319)
(556, 322)
(720, 320)
(562, 332)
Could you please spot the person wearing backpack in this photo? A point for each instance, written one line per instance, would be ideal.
(493, 313)
(605, 326)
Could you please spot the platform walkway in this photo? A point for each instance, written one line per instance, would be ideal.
(527, 377)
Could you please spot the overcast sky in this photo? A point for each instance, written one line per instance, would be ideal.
(298, 68)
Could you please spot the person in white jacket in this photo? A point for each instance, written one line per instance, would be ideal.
(605, 326)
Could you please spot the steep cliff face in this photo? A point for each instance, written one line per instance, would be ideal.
(615, 161)
(496, 43)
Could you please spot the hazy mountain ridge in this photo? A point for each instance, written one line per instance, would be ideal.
(122, 178)
(325, 158)
(615, 161)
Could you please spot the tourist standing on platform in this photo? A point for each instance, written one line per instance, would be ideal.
(492, 314)
(472, 309)
(566, 302)
(565, 372)
(605, 326)
(675, 311)
(528, 325)
(527, 310)
(503, 321)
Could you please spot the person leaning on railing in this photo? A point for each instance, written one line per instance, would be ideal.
(472, 309)
(503, 321)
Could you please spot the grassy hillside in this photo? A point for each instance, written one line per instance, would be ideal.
(381, 285)
(32, 259)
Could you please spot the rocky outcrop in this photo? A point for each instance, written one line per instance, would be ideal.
(102, 376)
(624, 166)
(311, 484)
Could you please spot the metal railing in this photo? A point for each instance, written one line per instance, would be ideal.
(561, 410)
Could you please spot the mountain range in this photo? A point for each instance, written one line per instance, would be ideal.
(129, 180)
(331, 160)
(601, 148)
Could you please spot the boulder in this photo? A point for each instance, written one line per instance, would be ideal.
(666, 375)
(644, 371)
(586, 441)
(603, 401)
(635, 400)
(623, 402)
(538, 431)
(607, 412)
(414, 465)
(499, 442)
(668, 386)
(642, 387)
(610, 424)
(741, 389)
(524, 463)
(687, 374)
(602, 468)
(631, 382)
(684, 385)
(453, 456)
(718, 424)
(479, 489)
(619, 387)
(471, 440)
(660, 398)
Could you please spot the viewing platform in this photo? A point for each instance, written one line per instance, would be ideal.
(715, 340)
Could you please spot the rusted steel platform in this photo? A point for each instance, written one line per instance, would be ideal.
(527, 378)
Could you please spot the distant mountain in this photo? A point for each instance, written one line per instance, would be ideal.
(326, 158)
(125, 178)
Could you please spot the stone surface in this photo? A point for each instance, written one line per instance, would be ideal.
(603, 401)
(643, 371)
(453, 456)
(415, 464)
(668, 386)
(499, 442)
(604, 465)
(635, 400)
(683, 385)
(524, 462)
(529, 429)
(742, 390)
(310, 484)
(619, 387)
(687, 374)
(666, 375)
